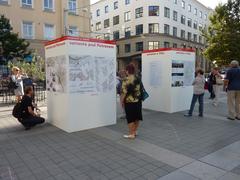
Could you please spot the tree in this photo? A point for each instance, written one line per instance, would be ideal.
(223, 34)
(12, 45)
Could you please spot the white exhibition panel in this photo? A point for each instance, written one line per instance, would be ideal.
(81, 83)
(167, 75)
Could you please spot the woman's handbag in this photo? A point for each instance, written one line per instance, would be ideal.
(219, 81)
(144, 93)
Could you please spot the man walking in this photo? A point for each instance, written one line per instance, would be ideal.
(232, 85)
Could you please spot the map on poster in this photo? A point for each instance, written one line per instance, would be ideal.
(155, 74)
(182, 73)
(90, 74)
(56, 74)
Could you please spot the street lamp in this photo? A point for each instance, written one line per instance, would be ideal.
(65, 14)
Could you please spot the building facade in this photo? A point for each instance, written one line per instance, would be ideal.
(138, 25)
(38, 21)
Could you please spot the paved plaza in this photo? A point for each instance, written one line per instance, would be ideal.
(169, 147)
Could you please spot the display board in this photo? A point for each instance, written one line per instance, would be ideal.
(81, 76)
(167, 75)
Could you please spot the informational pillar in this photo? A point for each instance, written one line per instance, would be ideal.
(167, 75)
(81, 83)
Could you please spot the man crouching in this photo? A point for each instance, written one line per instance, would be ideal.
(29, 118)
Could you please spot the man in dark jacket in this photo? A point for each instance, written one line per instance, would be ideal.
(29, 117)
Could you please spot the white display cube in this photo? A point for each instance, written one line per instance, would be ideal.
(167, 75)
(81, 83)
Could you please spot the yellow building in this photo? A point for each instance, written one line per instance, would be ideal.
(40, 20)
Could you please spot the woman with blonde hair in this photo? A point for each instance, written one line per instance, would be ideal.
(17, 78)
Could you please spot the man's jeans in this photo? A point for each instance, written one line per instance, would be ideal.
(233, 104)
(196, 97)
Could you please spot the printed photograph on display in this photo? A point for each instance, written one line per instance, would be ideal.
(90, 74)
(56, 74)
(177, 73)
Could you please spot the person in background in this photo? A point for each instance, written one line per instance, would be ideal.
(217, 87)
(198, 93)
(210, 85)
(232, 85)
(29, 118)
(131, 101)
(17, 78)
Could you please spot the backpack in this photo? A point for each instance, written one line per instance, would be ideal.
(17, 111)
(12, 84)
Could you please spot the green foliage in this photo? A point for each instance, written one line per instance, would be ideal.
(34, 70)
(223, 34)
(12, 45)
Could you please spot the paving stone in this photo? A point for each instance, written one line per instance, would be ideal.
(230, 176)
(178, 175)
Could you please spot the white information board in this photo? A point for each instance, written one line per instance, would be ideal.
(167, 75)
(81, 87)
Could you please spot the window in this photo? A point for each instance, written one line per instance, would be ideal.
(106, 9)
(189, 8)
(205, 16)
(49, 31)
(175, 31)
(166, 12)
(139, 46)
(98, 26)
(127, 32)
(27, 3)
(200, 14)
(183, 4)
(98, 37)
(107, 36)
(139, 12)
(166, 29)
(118, 49)
(166, 44)
(183, 34)
(175, 1)
(4, 2)
(106, 23)
(195, 38)
(72, 5)
(116, 35)
(115, 20)
(127, 16)
(153, 10)
(73, 31)
(189, 36)
(189, 22)
(175, 15)
(153, 45)
(153, 28)
(139, 29)
(195, 25)
(98, 12)
(174, 45)
(200, 27)
(127, 48)
(200, 39)
(115, 5)
(48, 5)
(195, 11)
(127, 2)
(27, 30)
(183, 19)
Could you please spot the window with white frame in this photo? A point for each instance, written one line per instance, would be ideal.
(166, 29)
(175, 1)
(115, 5)
(127, 2)
(189, 8)
(195, 25)
(153, 10)
(72, 6)
(183, 4)
(27, 30)
(106, 9)
(175, 15)
(195, 11)
(27, 3)
(166, 12)
(48, 5)
(139, 12)
(200, 14)
(127, 32)
(98, 12)
(127, 16)
(205, 16)
(153, 28)
(189, 22)
(153, 45)
(175, 31)
(49, 31)
(73, 31)
(4, 2)
(98, 26)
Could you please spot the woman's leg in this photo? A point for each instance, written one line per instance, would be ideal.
(194, 100)
(131, 127)
(136, 125)
(216, 92)
(200, 100)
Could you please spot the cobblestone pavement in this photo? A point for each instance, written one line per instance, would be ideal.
(169, 147)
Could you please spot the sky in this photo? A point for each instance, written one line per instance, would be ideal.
(209, 3)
